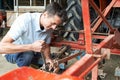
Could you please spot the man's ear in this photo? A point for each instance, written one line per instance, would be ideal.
(45, 14)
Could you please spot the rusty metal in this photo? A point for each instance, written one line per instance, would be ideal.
(63, 60)
(58, 54)
(61, 51)
(68, 58)
(74, 45)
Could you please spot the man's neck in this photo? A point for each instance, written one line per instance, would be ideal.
(42, 28)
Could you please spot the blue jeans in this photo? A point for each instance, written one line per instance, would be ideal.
(23, 58)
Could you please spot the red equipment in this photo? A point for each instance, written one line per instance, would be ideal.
(95, 52)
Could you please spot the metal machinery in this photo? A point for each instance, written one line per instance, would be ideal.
(95, 52)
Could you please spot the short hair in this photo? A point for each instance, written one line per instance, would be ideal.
(56, 9)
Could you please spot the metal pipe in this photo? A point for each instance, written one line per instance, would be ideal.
(68, 58)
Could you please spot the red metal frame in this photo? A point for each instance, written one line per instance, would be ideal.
(89, 62)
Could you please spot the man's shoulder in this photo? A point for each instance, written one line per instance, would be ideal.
(36, 14)
(25, 14)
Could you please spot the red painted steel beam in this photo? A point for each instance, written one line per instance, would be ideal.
(78, 44)
(117, 4)
(92, 65)
(103, 4)
(84, 66)
(27, 73)
(80, 66)
(99, 37)
(105, 12)
(86, 22)
(73, 45)
(115, 51)
(105, 42)
(95, 73)
(101, 15)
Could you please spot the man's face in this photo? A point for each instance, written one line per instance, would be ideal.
(50, 22)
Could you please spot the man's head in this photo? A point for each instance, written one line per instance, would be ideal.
(53, 16)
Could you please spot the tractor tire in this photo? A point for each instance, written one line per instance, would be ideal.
(74, 23)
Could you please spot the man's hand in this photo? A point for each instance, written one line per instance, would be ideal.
(50, 63)
(39, 46)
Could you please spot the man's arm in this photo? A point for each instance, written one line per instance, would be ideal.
(47, 52)
(47, 56)
(6, 46)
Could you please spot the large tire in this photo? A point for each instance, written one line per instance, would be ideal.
(74, 22)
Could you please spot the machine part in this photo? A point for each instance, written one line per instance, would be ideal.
(101, 73)
(68, 58)
(60, 53)
(82, 53)
(60, 59)
(55, 56)
(61, 63)
(62, 66)
(117, 71)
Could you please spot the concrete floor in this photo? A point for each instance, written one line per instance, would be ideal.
(110, 66)
(5, 66)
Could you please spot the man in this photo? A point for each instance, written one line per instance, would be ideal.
(30, 35)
